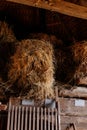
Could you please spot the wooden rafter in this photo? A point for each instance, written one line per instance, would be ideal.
(63, 7)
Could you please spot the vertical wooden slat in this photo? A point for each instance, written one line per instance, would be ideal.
(45, 119)
(15, 118)
(41, 118)
(48, 118)
(38, 112)
(59, 126)
(56, 119)
(12, 118)
(58, 108)
(34, 118)
(19, 114)
(9, 118)
(26, 118)
(30, 118)
(52, 115)
(22, 120)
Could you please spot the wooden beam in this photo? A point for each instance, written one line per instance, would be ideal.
(63, 7)
(78, 92)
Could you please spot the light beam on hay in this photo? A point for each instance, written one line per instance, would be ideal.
(31, 69)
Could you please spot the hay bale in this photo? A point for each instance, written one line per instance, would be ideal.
(6, 33)
(71, 64)
(79, 51)
(7, 40)
(32, 70)
(80, 75)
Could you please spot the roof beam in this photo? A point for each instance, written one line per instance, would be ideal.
(63, 7)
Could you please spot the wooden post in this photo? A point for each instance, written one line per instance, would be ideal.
(58, 107)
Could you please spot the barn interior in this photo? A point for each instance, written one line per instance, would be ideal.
(63, 23)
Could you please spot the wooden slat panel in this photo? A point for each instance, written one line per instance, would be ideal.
(32, 118)
(61, 7)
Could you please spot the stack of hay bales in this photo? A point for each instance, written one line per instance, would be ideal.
(28, 67)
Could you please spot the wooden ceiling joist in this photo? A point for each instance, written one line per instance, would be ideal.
(63, 7)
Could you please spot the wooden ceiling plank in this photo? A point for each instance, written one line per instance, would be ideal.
(63, 7)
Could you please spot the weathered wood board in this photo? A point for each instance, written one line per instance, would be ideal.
(80, 122)
(73, 111)
(75, 92)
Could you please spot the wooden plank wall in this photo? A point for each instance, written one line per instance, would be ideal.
(73, 111)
